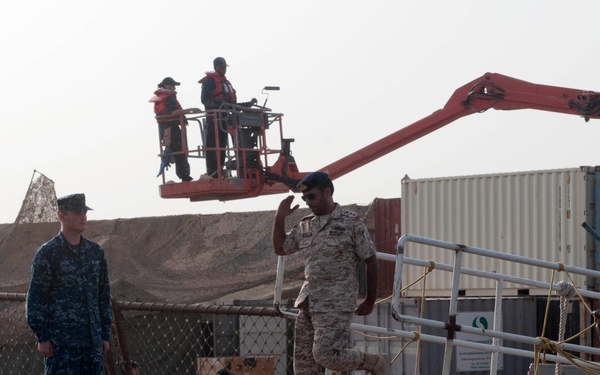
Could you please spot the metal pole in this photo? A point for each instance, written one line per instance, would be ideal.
(497, 324)
(399, 258)
(451, 326)
(279, 281)
(597, 217)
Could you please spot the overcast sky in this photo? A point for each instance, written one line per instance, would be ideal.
(77, 76)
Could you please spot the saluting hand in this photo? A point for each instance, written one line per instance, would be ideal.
(285, 207)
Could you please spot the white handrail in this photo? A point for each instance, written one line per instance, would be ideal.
(451, 325)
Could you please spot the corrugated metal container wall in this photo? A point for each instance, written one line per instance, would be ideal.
(386, 235)
(535, 214)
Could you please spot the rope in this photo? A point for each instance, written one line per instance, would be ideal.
(579, 295)
(547, 345)
(561, 326)
(417, 337)
(427, 271)
(548, 304)
(566, 291)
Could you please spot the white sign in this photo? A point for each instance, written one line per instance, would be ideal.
(468, 359)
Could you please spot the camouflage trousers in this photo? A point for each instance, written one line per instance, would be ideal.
(74, 361)
(321, 341)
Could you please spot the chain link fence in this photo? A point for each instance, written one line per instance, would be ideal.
(18, 347)
(167, 339)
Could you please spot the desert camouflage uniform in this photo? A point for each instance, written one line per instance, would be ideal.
(333, 247)
(68, 304)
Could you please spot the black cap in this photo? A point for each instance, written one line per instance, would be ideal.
(315, 180)
(72, 202)
(219, 61)
(134, 364)
(168, 81)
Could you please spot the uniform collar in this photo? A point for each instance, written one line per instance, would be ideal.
(64, 243)
(337, 211)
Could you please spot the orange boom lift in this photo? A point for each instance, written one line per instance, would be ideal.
(251, 168)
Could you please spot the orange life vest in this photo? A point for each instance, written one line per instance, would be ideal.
(223, 88)
(160, 101)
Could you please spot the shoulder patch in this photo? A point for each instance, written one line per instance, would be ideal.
(351, 214)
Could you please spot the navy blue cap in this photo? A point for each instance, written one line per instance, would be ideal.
(168, 81)
(314, 180)
(72, 202)
(219, 61)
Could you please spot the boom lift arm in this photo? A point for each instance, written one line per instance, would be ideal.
(491, 90)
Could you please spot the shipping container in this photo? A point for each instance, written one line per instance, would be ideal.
(385, 234)
(536, 214)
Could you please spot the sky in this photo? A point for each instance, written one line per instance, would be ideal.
(77, 78)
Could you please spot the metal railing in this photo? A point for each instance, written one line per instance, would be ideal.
(496, 347)
(246, 126)
(451, 326)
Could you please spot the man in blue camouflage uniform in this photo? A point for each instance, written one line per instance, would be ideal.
(334, 242)
(68, 301)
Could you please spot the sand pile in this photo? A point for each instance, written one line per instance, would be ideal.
(176, 259)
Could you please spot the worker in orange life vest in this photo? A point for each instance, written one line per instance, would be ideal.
(166, 103)
(216, 91)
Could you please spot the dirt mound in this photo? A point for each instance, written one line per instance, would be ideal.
(178, 259)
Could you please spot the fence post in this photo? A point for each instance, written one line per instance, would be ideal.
(109, 364)
(119, 338)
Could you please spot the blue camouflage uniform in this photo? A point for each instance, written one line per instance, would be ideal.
(68, 304)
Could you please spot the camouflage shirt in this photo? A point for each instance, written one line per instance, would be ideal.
(68, 301)
(333, 247)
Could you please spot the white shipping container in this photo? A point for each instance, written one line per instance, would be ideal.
(536, 214)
